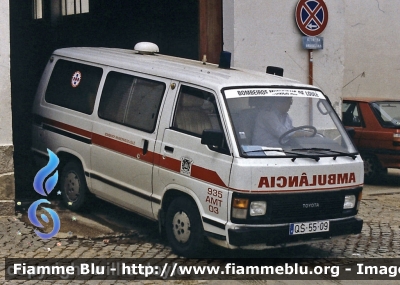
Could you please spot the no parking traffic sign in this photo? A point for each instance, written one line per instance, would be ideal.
(311, 17)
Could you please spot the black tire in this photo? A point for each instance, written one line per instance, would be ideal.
(184, 228)
(373, 170)
(73, 185)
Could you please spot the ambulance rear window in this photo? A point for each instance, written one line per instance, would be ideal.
(74, 86)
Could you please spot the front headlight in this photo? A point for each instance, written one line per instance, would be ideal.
(239, 208)
(258, 208)
(349, 202)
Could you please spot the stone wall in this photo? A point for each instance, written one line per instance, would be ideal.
(7, 188)
(7, 185)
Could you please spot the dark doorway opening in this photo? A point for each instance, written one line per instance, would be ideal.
(173, 25)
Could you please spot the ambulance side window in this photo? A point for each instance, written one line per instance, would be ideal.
(74, 86)
(196, 111)
(131, 101)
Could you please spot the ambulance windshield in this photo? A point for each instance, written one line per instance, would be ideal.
(286, 122)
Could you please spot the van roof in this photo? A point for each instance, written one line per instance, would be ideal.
(186, 70)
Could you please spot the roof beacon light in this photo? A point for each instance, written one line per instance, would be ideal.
(225, 60)
(274, 70)
(146, 48)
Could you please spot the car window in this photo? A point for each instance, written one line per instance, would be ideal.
(131, 101)
(387, 113)
(74, 86)
(196, 111)
(351, 115)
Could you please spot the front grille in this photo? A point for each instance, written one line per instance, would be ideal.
(305, 207)
(300, 207)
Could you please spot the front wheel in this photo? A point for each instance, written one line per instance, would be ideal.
(184, 227)
(373, 170)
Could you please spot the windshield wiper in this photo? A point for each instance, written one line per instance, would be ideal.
(316, 149)
(265, 150)
(316, 158)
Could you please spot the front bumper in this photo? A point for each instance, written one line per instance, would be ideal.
(277, 235)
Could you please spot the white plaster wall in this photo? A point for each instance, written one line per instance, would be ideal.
(372, 49)
(261, 33)
(5, 83)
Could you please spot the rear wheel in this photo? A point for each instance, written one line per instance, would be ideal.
(373, 169)
(73, 185)
(184, 227)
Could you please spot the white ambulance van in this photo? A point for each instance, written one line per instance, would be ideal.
(245, 159)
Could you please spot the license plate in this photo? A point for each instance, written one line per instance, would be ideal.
(308, 227)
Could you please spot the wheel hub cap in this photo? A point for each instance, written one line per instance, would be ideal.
(367, 167)
(72, 186)
(181, 227)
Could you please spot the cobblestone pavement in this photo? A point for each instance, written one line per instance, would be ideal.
(380, 237)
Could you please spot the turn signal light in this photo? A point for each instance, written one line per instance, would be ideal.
(240, 203)
(239, 208)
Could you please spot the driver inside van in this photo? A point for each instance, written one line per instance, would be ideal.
(272, 121)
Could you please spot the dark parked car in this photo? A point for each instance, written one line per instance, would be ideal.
(376, 124)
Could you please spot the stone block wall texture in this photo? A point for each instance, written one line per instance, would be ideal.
(7, 184)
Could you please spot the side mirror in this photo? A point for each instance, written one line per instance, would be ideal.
(215, 140)
(212, 138)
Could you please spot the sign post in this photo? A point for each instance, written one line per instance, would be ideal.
(311, 18)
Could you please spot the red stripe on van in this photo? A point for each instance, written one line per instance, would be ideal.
(207, 175)
(172, 164)
(67, 127)
(168, 163)
(118, 146)
(196, 171)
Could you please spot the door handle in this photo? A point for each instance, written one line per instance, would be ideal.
(169, 149)
(145, 146)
